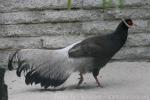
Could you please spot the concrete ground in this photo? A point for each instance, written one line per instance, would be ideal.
(121, 81)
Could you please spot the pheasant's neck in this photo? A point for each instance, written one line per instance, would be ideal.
(121, 32)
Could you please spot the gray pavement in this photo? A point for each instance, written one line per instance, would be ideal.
(121, 81)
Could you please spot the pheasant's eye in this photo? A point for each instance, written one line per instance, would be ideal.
(129, 23)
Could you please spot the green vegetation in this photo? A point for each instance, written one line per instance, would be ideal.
(106, 4)
(69, 4)
(120, 4)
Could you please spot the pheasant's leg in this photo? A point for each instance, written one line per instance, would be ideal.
(97, 81)
(95, 74)
(81, 79)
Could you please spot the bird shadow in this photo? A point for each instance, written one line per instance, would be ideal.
(46, 90)
(108, 84)
(65, 88)
(85, 87)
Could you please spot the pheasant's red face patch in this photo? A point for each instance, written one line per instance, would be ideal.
(129, 22)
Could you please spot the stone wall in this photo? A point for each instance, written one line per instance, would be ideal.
(48, 24)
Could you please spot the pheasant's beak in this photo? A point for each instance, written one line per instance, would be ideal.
(133, 25)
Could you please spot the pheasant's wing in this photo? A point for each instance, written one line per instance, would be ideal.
(92, 47)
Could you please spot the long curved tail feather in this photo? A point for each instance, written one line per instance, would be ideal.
(10, 60)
